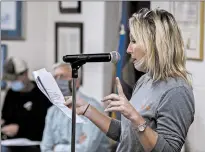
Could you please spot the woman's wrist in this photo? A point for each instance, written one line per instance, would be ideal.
(87, 106)
(88, 111)
(136, 119)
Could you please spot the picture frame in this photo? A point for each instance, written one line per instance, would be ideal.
(12, 20)
(4, 54)
(68, 40)
(191, 24)
(70, 6)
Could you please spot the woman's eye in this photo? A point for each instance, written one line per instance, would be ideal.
(132, 40)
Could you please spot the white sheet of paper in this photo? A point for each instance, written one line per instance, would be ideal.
(19, 142)
(52, 91)
(36, 74)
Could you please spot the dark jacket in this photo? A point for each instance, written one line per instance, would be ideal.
(28, 110)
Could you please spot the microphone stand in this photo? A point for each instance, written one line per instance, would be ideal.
(75, 66)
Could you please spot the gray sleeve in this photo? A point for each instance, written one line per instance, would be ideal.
(114, 130)
(175, 114)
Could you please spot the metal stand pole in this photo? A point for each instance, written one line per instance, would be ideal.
(75, 66)
(73, 115)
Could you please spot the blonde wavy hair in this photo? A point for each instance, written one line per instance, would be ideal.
(158, 32)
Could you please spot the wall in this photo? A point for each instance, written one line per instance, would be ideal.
(112, 20)
(93, 40)
(38, 49)
(96, 23)
(197, 130)
(32, 49)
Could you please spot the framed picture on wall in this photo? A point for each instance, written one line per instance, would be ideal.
(4, 54)
(70, 6)
(68, 39)
(190, 18)
(12, 20)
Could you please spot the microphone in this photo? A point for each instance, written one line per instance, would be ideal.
(113, 57)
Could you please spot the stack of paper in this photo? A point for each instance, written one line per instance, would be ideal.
(19, 142)
(47, 84)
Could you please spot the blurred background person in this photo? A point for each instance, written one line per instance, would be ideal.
(57, 132)
(25, 107)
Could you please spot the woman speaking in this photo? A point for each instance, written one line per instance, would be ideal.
(161, 109)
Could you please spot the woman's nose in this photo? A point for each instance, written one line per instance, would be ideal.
(129, 49)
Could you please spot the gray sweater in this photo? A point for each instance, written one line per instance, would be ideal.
(167, 106)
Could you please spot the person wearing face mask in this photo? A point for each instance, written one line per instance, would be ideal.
(57, 132)
(161, 110)
(25, 106)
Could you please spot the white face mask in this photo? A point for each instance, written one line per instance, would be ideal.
(139, 65)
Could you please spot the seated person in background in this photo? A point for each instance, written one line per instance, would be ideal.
(25, 106)
(57, 132)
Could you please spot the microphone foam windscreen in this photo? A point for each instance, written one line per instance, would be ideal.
(115, 56)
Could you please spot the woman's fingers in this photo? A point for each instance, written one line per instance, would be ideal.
(111, 97)
(113, 104)
(68, 100)
(108, 102)
(119, 87)
(114, 109)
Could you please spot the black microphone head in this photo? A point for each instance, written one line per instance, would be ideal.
(115, 56)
